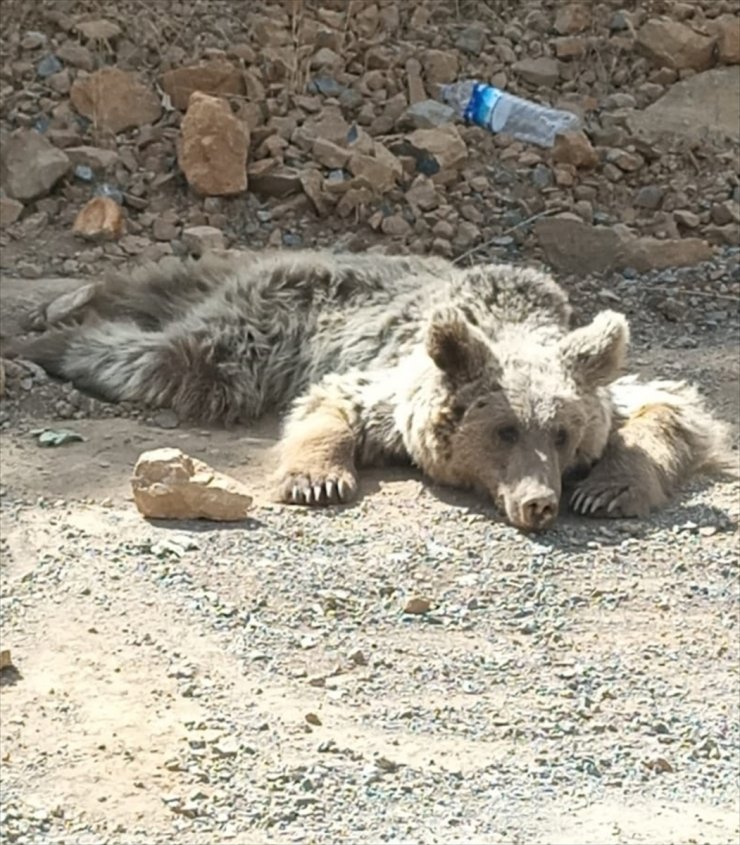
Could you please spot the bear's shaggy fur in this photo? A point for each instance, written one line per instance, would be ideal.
(471, 374)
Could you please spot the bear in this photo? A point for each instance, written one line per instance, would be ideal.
(475, 375)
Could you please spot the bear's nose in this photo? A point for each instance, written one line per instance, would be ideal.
(540, 511)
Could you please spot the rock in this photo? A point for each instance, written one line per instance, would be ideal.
(417, 92)
(570, 47)
(472, 39)
(439, 66)
(378, 175)
(668, 43)
(168, 484)
(543, 71)
(29, 165)
(653, 254)
(100, 219)
(10, 211)
(725, 212)
(427, 114)
(624, 160)
(572, 18)
(726, 29)
(5, 659)
(422, 193)
(703, 105)
(444, 144)
(649, 196)
(329, 154)
(574, 148)
(213, 146)
(97, 159)
(216, 77)
(396, 225)
(271, 179)
(98, 30)
(115, 100)
(418, 605)
(312, 184)
(686, 218)
(48, 66)
(76, 55)
(200, 239)
(572, 246)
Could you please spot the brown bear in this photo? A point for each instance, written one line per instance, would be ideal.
(471, 374)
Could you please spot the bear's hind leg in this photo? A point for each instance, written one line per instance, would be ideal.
(662, 436)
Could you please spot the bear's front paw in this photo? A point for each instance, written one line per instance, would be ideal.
(331, 487)
(613, 499)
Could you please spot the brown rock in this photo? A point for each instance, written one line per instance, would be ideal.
(668, 43)
(216, 77)
(168, 484)
(625, 160)
(445, 144)
(100, 219)
(98, 30)
(213, 146)
(542, 71)
(95, 158)
(686, 218)
(418, 605)
(5, 659)
(200, 239)
(570, 47)
(704, 105)
(115, 100)
(312, 185)
(572, 18)
(329, 154)
(574, 148)
(378, 175)
(29, 165)
(396, 225)
(76, 55)
(417, 92)
(726, 29)
(572, 246)
(10, 211)
(653, 254)
(422, 193)
(440, 66)
(270, 178)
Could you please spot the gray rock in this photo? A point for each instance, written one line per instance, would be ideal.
(30, 166)
(427, 114)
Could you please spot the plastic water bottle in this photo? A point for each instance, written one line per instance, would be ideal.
(499, 111)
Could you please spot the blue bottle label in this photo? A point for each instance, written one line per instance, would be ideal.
(482, 103)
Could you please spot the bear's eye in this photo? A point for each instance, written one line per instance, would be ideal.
(508, 434)
(561, 437)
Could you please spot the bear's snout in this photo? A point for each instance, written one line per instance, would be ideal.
(531, 507)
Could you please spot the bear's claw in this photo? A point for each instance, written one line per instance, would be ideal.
(607, 499)
(305, 489)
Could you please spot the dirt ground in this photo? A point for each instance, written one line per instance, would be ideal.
(262, 683)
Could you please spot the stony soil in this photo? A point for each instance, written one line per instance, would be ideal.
(266, 682)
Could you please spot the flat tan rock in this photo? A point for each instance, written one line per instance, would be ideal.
(168, 484)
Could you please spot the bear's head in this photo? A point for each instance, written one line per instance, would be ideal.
(511, 416)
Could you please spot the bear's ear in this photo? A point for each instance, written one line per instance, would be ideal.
(453, 345)
(594, 354)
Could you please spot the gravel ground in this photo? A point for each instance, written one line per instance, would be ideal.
(408, 669)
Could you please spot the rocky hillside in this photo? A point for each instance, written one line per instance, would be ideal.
(319, 123)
